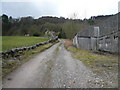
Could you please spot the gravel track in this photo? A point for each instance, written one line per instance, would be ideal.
(53, 68)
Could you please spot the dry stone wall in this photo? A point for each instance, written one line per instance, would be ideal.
(15, 52)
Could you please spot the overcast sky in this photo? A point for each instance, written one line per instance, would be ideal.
(64, 8)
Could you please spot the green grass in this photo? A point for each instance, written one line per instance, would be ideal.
(95, 61)
(103, 65)
(9, 66)
(9, 42)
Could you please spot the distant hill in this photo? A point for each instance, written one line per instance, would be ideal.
(64, 28)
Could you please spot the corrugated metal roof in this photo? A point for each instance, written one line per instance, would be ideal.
(108, 26)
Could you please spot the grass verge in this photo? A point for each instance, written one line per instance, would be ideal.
(105, 66)
(11, 64)
(95, 61)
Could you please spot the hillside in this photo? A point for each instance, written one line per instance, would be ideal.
(64, 27)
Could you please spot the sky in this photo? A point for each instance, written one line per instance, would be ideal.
(78, 9)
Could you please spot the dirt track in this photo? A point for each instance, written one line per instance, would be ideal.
(53, 68)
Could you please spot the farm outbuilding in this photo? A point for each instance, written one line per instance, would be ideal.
(103, 36)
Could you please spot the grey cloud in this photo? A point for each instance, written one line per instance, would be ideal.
(19, 9)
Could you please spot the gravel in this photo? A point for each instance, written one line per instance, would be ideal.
(52, 69)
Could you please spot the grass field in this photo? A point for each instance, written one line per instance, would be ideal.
(9, 66)
(9, 42)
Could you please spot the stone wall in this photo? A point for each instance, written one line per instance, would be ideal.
(17, 51)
